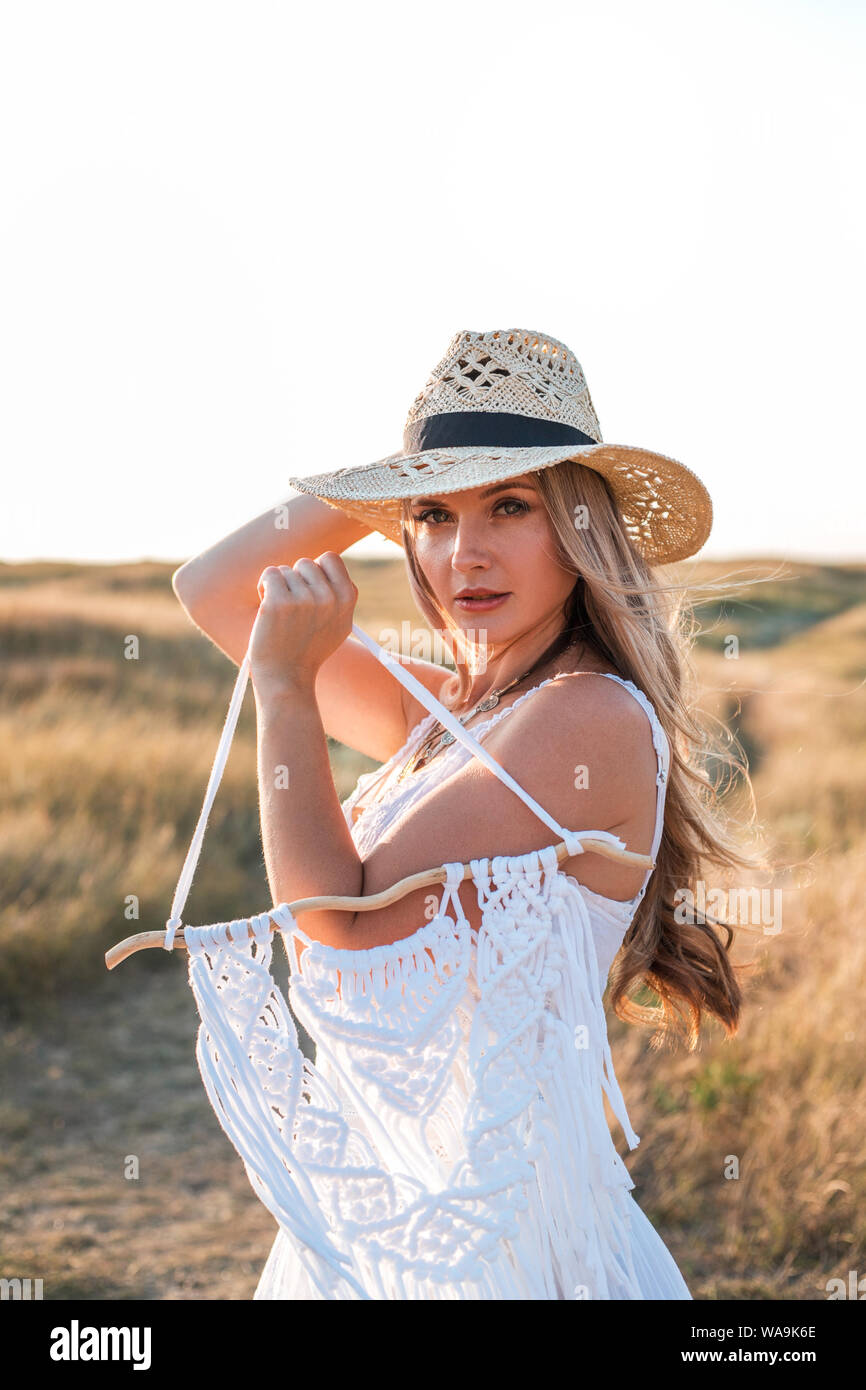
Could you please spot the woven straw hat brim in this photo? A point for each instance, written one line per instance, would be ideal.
(666, 510)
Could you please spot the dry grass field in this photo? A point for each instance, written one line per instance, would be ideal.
(103, 766)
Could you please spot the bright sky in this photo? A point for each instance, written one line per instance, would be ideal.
(235, 237)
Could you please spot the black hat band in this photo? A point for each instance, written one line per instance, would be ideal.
(461, 429)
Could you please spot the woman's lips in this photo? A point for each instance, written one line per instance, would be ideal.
(480, 605)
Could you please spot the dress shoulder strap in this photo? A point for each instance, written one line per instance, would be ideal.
(662, 748)
(660, 744)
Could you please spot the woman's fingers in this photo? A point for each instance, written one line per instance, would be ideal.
(334, 566)
(304, 580)
(321, 578)
(301, 582)
(271, 584)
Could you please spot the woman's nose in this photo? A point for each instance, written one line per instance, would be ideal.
(470, 545)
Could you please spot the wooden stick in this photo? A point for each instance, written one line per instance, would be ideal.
(143, 941)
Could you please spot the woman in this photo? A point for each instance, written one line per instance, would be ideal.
(583, 663)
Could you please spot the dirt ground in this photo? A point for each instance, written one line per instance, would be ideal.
(111, 1076)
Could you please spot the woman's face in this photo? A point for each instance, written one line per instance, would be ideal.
(497, 537)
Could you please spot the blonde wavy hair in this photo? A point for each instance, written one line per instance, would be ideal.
(645, 629)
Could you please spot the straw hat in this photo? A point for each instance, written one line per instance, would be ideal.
(508, 402)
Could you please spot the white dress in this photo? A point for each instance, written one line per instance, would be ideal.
(450, 1140)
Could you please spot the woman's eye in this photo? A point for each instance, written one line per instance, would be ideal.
(505, 501)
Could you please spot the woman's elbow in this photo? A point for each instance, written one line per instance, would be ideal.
(184, 586)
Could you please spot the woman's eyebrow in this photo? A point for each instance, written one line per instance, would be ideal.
(499, 487)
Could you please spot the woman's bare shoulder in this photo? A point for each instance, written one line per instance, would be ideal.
(571, 712)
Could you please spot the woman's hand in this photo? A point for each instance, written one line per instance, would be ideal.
(305, 613)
